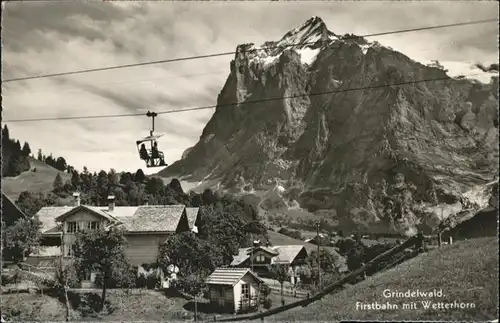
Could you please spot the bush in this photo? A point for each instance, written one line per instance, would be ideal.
(265, 290)
(7, 279)
(152, 281)
(140, 281)
(268, 303)
(291, 233)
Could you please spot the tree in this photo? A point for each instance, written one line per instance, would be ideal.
(353, 250)
(76, 181)
(291, 233)
(65, 278)
(191, 254)
(26, 151)
(102, 186)
(5, 133)
(30, 203)
(126, 178)
(280, 273)
(58, 184)
(113, 178)
(329, 262)
(228, 228)
(195, 199)
(154, 185)
(176, 186)
(60, 164)
(14, 165)
(101, 252)
(49, 160)
(21, 239)
(40, 155)
(139, 176)
(17, 146)
(135, 194)
(208, 197)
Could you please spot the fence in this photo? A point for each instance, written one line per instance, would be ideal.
(248, 304)
(288, 292)
(416, 241)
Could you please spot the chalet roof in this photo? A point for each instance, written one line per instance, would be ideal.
(286, 254)
(243, 254)
(312, 235)
(192, 215)
(118, 211)
(10, 211)
(147, 218)
(229, 276)
(269, 250)
(48, 214)
(154, 218)
(92, 209)
(283, 254)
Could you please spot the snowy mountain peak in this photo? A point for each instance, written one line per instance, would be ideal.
(311, 33)
(306, 39)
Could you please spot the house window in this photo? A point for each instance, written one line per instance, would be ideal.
(245, 291)
(93, 225)
(72, 227)
(260, 259)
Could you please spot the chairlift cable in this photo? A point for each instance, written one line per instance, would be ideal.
(371, 87)
(172, 60)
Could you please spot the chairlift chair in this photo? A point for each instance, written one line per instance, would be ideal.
(151, 155)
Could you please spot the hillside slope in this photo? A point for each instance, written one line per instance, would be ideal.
(371, 155)
(467, 272)
(40, 180)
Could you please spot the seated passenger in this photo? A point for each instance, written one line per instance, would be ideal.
(154, 151)
(143, 152)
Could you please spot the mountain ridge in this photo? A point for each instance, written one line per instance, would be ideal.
(426, 143)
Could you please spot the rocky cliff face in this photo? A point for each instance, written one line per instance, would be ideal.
(382, 157)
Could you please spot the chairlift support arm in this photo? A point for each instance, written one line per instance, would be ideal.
(152, 115)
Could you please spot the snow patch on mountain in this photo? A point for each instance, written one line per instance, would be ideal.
(364, 48)
(306, 39)
(308, 55)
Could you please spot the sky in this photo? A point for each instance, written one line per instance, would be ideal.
(51, 37)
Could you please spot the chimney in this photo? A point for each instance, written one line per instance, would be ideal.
(76, 197)
(111, 203)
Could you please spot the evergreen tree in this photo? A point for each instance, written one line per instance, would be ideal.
(60, 164)
(17, 147)
(15, 165)
(58, 184)
(139, 176)
(26, 151)
(6, 143)
(126, 178)
(102, 186)
(49, 160)
(40, 155)
(113, 178)
(5, 133)
(76, 182)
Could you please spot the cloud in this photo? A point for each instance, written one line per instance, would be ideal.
(492, 68)
(45, 37)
